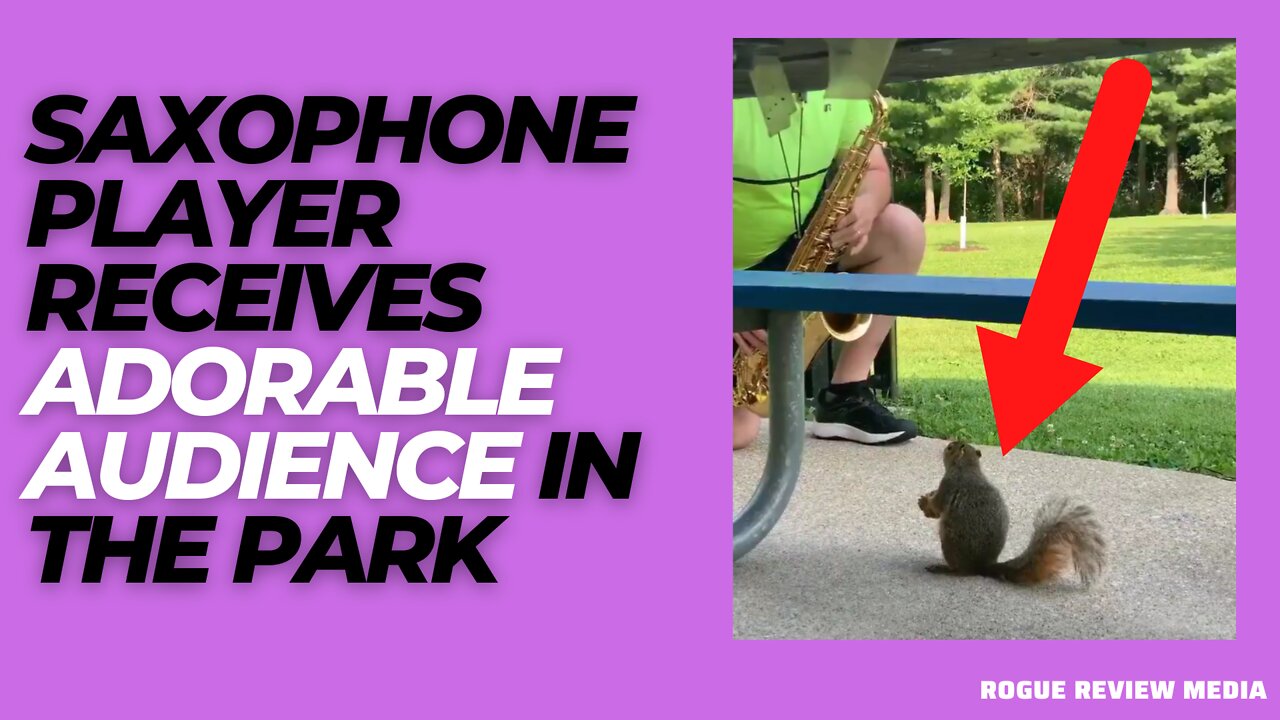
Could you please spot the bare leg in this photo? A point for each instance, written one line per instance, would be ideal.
(746, 428)
(896, 246)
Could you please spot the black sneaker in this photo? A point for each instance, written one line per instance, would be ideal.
(850, 411)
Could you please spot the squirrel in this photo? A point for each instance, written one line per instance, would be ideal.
(974, 522)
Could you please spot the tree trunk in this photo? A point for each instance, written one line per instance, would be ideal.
(1142, 177)
(1171, 175)
(995, 164)
(930, 214)
(1040, 189)
(944, 202)
(1017, 186)
(1231, 183)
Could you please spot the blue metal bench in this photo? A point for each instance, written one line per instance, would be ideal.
(778, 301)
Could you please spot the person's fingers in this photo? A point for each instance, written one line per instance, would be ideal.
(859, 240)
(856, 246)
(848, 219)
(842, 238)
(751, 341)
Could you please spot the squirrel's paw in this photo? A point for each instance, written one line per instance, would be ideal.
(926, 506)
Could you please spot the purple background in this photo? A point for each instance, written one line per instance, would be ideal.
(603, 608)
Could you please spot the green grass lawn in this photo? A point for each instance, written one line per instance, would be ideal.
(1160, 400)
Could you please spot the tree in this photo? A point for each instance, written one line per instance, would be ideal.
(910, 106)
(1008, 131)
(1063, 105)
(958, 134)
(1209, 78)
(1168, 108)
(966, 120)
(1023, 128)
(1055, 103)
(912, 134)
(1207, 162)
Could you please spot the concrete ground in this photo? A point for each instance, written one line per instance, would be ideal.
(847, 559)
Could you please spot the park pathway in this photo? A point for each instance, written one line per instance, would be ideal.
(847, 559)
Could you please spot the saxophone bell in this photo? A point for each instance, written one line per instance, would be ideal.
(846, 327)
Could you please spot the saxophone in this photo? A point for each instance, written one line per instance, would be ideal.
(815, 254)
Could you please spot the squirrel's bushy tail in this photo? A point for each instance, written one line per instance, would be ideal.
(1065, 534)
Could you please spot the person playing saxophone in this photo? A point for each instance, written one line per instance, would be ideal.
(777, 182)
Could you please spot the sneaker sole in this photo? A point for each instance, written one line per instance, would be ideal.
(840, 431)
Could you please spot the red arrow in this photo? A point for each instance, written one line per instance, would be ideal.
(1031, 376)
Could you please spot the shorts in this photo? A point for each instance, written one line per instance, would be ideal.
(778, 260)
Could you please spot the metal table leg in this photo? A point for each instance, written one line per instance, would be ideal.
(786, 433)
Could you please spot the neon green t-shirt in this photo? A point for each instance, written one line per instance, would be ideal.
(763, 217)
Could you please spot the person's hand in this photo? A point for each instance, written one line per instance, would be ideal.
(751, 341)
(853, 230)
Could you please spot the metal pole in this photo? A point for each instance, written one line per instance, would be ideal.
(786, 434)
